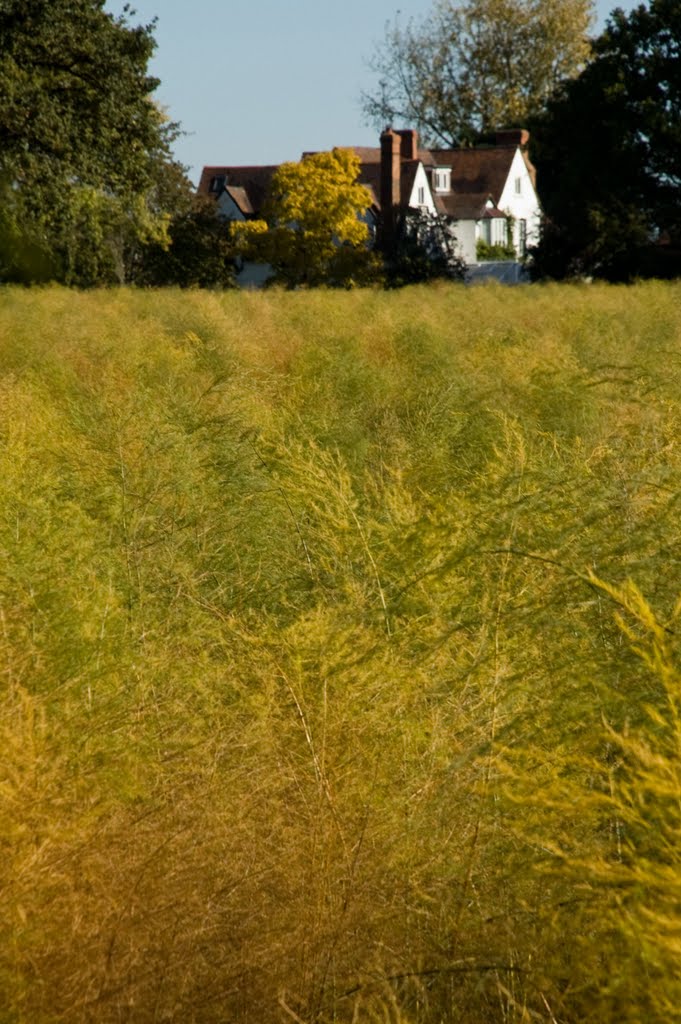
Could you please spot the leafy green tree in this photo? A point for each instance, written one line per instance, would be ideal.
(314, 231)
(608, 155)
(199, 251)
(81, 142)
(470, 67)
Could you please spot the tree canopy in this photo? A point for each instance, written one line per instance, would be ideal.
(608, 155)
(314, 229)
(470, 67)
(198, 252)
(82, 141)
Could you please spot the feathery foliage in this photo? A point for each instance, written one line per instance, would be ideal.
(325, 695)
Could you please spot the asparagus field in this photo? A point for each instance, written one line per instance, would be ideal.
(339, 647)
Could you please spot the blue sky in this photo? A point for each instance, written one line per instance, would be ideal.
(260, 83)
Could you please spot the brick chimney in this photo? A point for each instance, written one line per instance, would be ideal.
(409, 147)
(391, 151)
(512, 137)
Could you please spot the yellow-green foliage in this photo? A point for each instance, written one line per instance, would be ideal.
(314, 230)
(326, 694)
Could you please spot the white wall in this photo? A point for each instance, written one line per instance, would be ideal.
(421, 181)
(228, 208)
(466, 236)
(523, 205)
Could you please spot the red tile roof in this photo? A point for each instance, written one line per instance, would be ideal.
(476, 171)
(367, 154)
(467, 205)
(370, 175)
(254, 181)
(372, 154)
(240, 196)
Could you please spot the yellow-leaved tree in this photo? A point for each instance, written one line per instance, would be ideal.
(314, 230)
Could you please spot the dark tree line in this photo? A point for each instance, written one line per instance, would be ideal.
(608, 155)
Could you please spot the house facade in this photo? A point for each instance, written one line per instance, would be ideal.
(487, 193)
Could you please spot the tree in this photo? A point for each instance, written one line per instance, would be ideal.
(471, 67)
(199, 251)
(81, 142)
(425, 250)
(608, 155)
(314, 231)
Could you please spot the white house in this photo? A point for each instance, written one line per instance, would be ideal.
(487, 192)
(240, 193)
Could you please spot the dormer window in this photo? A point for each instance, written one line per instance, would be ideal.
(217, 183)
(442, 179)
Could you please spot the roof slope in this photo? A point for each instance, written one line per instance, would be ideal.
(481, 170)
(469, 205)
(477, 171)
(370, 175)
(476, 174)
(372, 154)
(240, 197)
(255, 181)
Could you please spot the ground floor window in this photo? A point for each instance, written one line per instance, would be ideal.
(522, 237)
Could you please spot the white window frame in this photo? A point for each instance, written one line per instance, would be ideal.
(499, 232)
(442, 181)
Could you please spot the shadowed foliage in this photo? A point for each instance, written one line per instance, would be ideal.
(622, 115)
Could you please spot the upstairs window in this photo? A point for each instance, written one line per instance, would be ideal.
(217, 183)
(421, 195)
(442, 179)
(518, 186)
